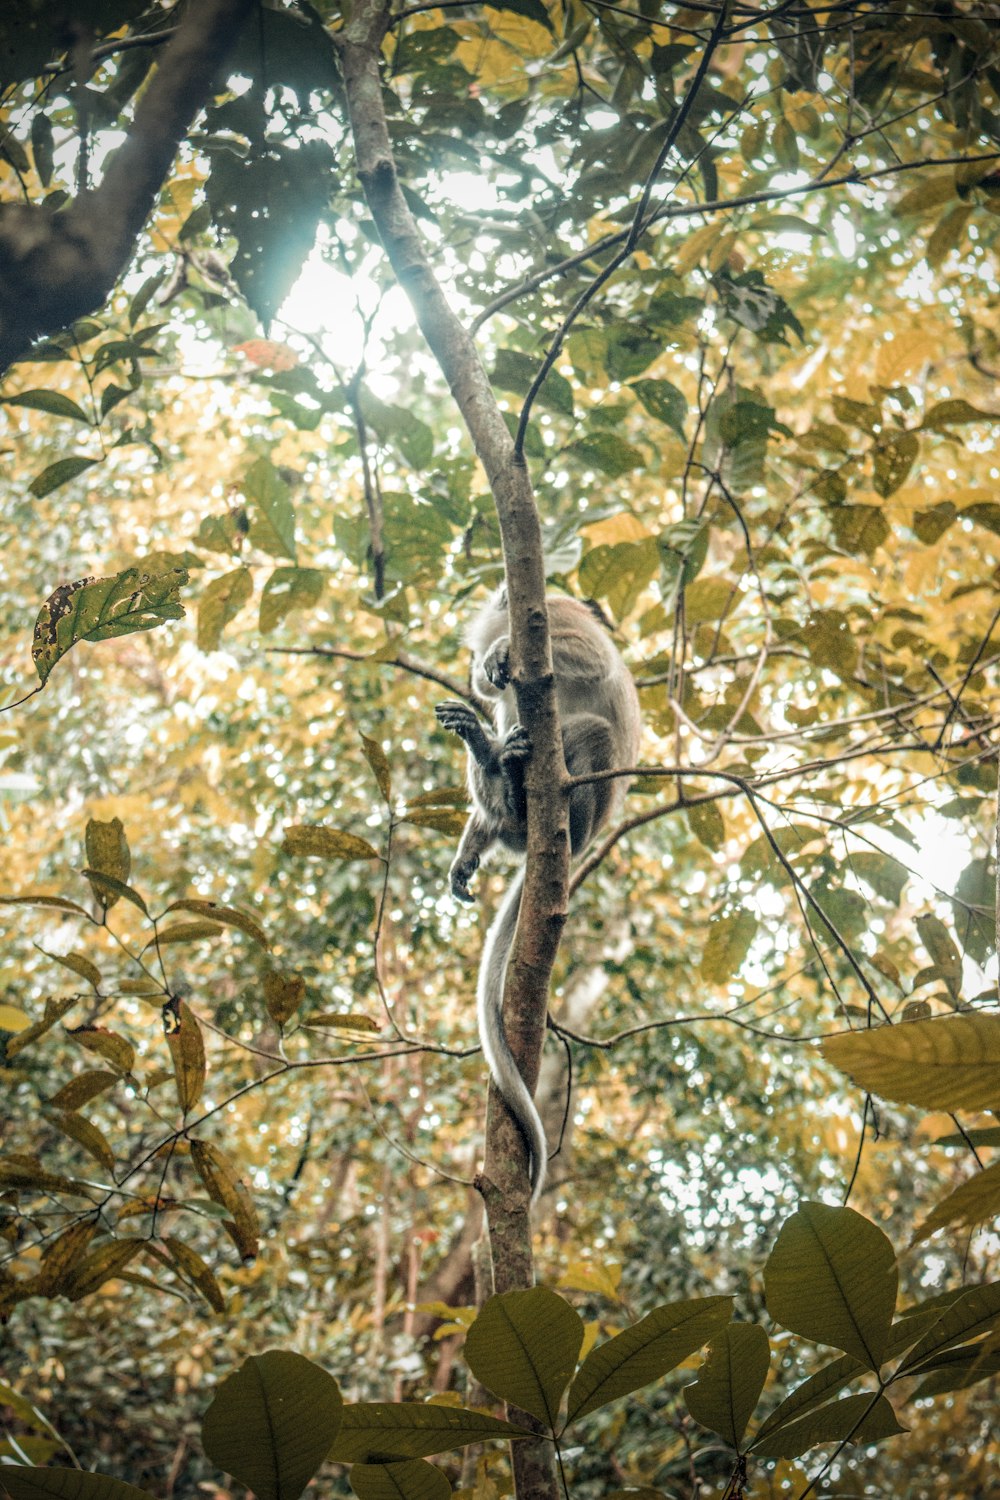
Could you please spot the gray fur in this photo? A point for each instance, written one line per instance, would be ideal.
(599, 714)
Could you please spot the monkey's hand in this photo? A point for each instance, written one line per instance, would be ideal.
(496, 663)
(461, 873)
(459, 718)
(516, 747)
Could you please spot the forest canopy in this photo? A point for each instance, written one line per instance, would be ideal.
(318, 323)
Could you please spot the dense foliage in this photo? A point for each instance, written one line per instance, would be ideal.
(753, 253)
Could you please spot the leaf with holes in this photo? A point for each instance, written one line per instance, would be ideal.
(98, 609)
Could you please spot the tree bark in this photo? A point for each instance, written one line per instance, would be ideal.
(504, 1181)
(56, 266)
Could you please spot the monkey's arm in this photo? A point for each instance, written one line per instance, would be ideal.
(463, 721)
(477, 837)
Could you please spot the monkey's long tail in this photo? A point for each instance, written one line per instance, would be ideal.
(506, 1074)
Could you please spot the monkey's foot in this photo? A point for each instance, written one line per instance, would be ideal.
(496, 663)
(516, 745)
(459, 718)
(460, 875)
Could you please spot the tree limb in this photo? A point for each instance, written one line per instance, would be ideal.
(58, 266)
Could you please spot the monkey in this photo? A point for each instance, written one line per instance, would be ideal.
(600, 721)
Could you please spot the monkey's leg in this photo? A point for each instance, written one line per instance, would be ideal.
(587, 746)
(463, 721)
(515, 752)
(477, 836)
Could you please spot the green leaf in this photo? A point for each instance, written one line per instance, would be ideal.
(811, 1393)
(515, 371)
(730, 1381)
(61, 472)
(376, 758)
(107, 1044)
(54, 1011)
(283, 994)
(885, 875)
(930, 525)
(827, 638)
(619, 572)
(21, 1171)
(221, 601)
(108, 854)
(709, 598)
(225, 1186)
(270, 199)
(384, 1431)
(193, 1269)
(727, 945)
(645, 1352)
(857, 414)
(22, 1483)
(86, 1134)
(327, 843)
(271, 1423)
(893, 457)
(664, 402)
(84, 1087)
(98, 609)
(955, 413)
(859, 528)
(832, 1277)
(77, 963)
(228, 916)
(53, 402)
(939, 944)
(107, 885)
(974, 908)
(957, 1369)
(949, 1063)
(187, 1050)
(533, 9)
(864, 1418)
(629, 351)
(976, 1311)
(413, 438)
(58, 903)
(973, 1202)
(288, 589)
(412, 1480)
(442, 819)
(523, 1347)
(105, 1263)
(608, 453)
(708, 825)
(42, 147)
(985, 513)
(272, 527)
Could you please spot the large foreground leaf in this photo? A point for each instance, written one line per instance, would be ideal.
(951, 1062)
(832, 1276)
(646, 1351)
(272, 1422)
(523, 1347)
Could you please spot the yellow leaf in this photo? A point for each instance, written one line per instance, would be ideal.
(951, 1062)
(973, 1202)
(622, 527)
(898, 356)
(695, 246)
(12, 1019)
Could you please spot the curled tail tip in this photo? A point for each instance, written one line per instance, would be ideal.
(537, 1182)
